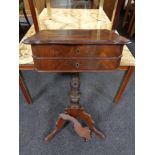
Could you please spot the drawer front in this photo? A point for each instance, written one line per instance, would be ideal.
(73, 65)
(77, 50)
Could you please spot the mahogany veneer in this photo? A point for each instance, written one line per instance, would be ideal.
(76, 65)
(76, 50)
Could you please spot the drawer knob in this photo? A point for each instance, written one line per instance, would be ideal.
(78, 50)
(77, 65)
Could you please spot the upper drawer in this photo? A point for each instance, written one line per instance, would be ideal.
(77, 50)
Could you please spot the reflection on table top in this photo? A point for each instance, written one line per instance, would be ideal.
(71, 19)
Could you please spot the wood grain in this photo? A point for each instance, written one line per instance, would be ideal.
(76, 50)
(65, 51)
(76, 65)
(96, 37)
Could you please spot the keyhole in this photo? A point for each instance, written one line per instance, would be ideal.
(77, 65)
(78, 51)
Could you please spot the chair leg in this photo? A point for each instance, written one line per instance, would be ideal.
(126, 12)
(124, 84)
(131, 22)
(132, 30)
(25, 15)
(24, 89)
(20, 28)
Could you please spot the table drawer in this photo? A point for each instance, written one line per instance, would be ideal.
(76, 65)
(76, 50)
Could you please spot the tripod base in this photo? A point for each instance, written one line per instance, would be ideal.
(75, 112)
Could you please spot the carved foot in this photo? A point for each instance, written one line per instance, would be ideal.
(83, 132)
(89, 121)
(98, 133)
(79, 112)
(59, 125)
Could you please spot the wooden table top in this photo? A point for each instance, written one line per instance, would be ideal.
(70, 19)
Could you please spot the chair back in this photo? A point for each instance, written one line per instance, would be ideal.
(76, 14)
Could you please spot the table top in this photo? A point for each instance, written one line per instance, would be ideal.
(70, 19)
(76, 37)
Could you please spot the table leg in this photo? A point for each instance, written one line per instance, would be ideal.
(124, 83)
(24, 89)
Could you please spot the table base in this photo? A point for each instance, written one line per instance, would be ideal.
(74, 112)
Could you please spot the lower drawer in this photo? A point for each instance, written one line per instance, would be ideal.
(76, 65)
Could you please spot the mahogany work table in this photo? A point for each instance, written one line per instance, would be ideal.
(75, 65)
(76, 51)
